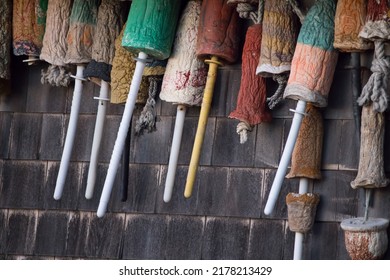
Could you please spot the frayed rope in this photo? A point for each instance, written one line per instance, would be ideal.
(147, 118)
(377, 86)
(55, 76)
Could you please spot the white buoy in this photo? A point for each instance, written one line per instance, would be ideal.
(122, 133)
(97, 137)
(71, 133)
(183, 82)
(299, 113)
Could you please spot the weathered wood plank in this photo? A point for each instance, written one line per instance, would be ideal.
(51, 145)
(151, 147)
(227, 150)
(225, 238)
(3, 231)
(226, 90)
(187, 141)
(22, 184)
(83, 140)
(269, 144)
(43, 98)
(178, 204)
(340, 95)
(261, 246)
(184, 237)
(51, 233)
(5, 128)
(71, 191)
(212, 191)
(289, 185)
(349, 143)
(105, 236)
(338, 200)
(331, 144)
(142, 190)
(25, 136)
(21, 233)
(77, 231)
(244, 192)
(145, 237)
(322, 242)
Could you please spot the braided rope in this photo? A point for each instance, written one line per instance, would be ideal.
(377, 86)
(247, 11)
(242, 130)
(274, 100)
(147, 118)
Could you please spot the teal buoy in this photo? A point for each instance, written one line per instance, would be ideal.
(149, 32)
(151, 26)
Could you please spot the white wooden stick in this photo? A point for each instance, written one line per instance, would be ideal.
(298, 244)
(71, 133)
(97, 138)
(122, 133)
(176, 142)
(286, 157)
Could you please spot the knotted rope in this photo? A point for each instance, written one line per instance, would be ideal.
(377, 86)
(147, 118)
(247, 11)
(55, 76)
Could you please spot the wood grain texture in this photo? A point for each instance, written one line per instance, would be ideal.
(51, 233)
(105, 235)
(184, 232)
(22, 184)
(261, 247)
(21, 232)
(225, 238)
(145, 237)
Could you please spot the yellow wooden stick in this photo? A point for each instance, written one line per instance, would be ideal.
(200, 132)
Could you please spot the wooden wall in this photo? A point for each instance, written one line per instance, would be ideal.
(222, 220)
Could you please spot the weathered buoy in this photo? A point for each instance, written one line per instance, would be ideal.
(311, 76)
(80, 37)
(29, 20)
(110, 20)
(251, 106)
(301, 209)
(183, 82)
(217, 40)
(6, 38)
(280, 32)
(365, 239)
(150, 31)
(54, 45)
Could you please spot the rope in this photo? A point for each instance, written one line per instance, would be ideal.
(247, 11)
(278, 95)
(297, 10)
(376, 88)
(147, 118)
(55, 76)
(242, 130)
